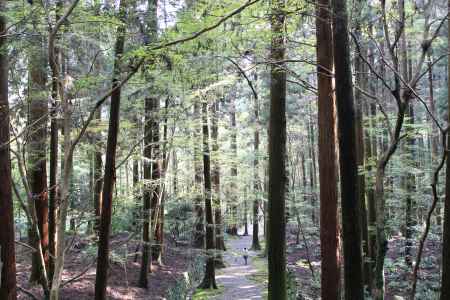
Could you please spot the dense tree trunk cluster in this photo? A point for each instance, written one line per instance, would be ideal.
(325, 129)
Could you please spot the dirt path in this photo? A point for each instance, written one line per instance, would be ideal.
(234, 278)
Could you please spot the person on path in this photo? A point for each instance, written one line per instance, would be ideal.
(245, 255)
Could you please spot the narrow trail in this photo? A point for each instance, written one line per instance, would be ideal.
(234, 278)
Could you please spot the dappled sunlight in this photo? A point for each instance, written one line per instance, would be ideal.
(247, 286)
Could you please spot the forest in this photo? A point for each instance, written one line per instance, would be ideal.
(224, 149)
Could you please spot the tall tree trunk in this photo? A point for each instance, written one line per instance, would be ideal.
(150, 28)
(277, 156)
(67, 165)
(361, 82)
(53, 192)
(218, 221)
(89, 225)
(329, 224)
(245, 215)
(156, 182)
(371, 154)
(110, 163)
(209, 280)
(434, 131)
(233, 226)
(445, 282)
(256, 180)
(147, 198)
(164, 167)
(175, 173)
(37, 151)
(408, 179)
(199, 237)
(98, 178)
(7, 237)
(351, 221)
(410, 189)
(137, 211)
(312, 166)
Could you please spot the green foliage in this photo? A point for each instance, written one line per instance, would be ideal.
(180, 221)
(191, 278)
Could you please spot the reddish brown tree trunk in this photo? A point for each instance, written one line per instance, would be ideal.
(351, 221)
(329, 229)
(7, 252)
(101, 279)
(37, 153)
(209, 280)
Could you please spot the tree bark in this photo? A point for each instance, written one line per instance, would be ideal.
(175, 173)
(7, 236)
(361, 82)
(163, 185)
(218, 221)
(256, 183)
(245, 215)
(147, 198)
(209, 280)
(68, 149)
(149, 205)
(137, 211)
(329, 229)
(199, 237)
(371, 148)
(233, 223)
(156, 182)
(98, 178)
(434, 130)
(408, 179)
(312, 166)
(54, 131)
(37, 152)
(110, 162)
(351, 219)
(445, 282)
(277, 156)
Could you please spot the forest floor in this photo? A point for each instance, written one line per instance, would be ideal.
(123, 273)
(237, 280)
